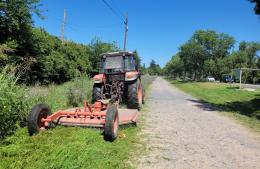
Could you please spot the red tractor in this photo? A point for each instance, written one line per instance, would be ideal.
(119, 80)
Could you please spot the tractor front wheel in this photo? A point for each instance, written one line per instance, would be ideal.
(38, 112)
(111, 124)
(97, 93)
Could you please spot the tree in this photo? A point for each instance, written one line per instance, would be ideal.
(16, 32)
(193, 56)
(137, 58)
(216, 45)
(248, 56)
(174, 68)
(204, 52)
(16, 21)
(97, 48)
(257, 6)
(154, 69)
(38, 57)
(144, 69)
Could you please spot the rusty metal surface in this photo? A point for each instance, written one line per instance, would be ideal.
(82, 122)
(126, 116)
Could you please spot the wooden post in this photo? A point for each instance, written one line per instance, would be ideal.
(240, 78)
(63, 25)
(126, 29)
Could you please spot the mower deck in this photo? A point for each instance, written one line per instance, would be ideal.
(126, 116)
(101, 114)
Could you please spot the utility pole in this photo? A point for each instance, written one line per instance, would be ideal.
(126, 29)
(63, 25)
(240, 78)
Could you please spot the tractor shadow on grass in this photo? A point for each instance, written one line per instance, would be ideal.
(249, 108)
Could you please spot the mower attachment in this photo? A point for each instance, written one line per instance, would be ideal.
(101, 115)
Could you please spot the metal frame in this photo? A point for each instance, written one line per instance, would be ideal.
(123, 53)
(89, 116)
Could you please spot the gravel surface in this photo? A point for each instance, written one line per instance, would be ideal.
(180, 132)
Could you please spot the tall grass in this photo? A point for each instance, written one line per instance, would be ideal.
(13, 105)
(16, 101)
(67, 147)
(62, 96)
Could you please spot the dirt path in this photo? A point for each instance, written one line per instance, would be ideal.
(182, 133)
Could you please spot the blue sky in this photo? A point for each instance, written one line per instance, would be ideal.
(157, 28)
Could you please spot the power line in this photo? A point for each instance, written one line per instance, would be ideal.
(119, 11)
(122, 17)
(114, 11)
(75, 26)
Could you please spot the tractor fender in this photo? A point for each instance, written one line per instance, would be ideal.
(130, 76)
(99, 78)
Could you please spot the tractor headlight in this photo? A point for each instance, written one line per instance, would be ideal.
(98, 78)
(129, 76)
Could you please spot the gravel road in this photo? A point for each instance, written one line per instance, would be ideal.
(181, 133)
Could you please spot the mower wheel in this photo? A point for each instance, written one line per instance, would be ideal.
(135, 93)
(38, 112)
(97, 92)
(111, 124)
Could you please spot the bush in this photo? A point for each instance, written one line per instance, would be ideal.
(78, 91)
(13, 105)
(16, 101)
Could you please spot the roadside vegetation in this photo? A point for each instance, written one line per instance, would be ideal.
(210, 53)
(16, 101)
(63, 147)
(241, 105)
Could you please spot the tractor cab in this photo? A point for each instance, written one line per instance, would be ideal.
(118, 62)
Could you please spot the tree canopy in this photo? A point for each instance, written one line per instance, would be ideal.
(257, 6)
(208, 53)
(38, 57)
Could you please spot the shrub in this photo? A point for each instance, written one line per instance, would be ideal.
(78, 91)
(13, 105)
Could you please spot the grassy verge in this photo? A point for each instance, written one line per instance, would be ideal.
(241, 105)
(68, 147)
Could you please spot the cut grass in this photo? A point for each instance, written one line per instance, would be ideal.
(69, 147)
(241, 105)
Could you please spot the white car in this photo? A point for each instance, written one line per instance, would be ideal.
(210, 79)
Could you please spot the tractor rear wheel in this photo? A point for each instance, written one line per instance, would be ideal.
(97, 93)
(111, 124)
(38, 112)
(135, 93)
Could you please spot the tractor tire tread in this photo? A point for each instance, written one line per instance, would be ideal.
(33, 118)
(109, 134)
(133, 102)
(96, 94)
